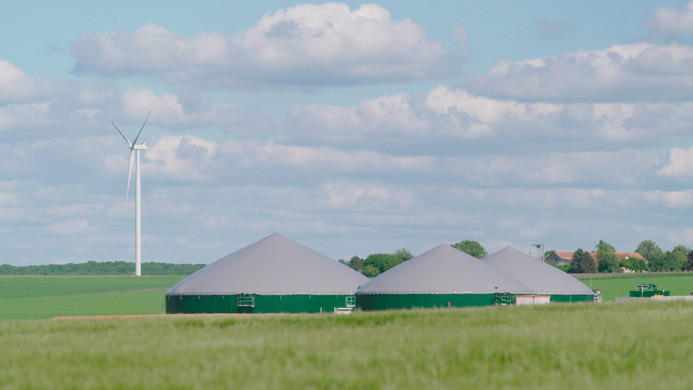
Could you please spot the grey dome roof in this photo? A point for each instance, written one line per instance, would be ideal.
(272, 266)
(542, 278)
(443, 270)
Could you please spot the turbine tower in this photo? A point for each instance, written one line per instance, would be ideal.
(134, 147)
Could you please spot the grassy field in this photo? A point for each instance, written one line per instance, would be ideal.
(42, 297)
(619, 285)
(631, 345)
(634, 345)
(36, 297)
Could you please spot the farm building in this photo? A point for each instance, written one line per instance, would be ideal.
(542, 278)
(441, 277)
(273, 275)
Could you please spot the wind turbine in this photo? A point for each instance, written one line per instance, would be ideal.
(138, 203)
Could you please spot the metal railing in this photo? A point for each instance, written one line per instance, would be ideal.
(246, 300)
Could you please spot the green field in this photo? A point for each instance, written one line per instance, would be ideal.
(619, 285)
(629, 345)
(634, 345)
(36, 297)
(42, 297)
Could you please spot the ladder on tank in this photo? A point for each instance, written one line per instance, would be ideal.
(246, 300)
(349, 303)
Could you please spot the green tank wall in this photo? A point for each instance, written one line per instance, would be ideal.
(410, 301)
(572, 298)
(299, 303)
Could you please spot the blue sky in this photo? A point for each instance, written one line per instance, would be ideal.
(353, 128)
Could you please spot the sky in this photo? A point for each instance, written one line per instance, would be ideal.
(352, 128)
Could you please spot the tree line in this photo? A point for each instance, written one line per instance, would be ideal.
(100, 268)
(377, 263)
(656, 260)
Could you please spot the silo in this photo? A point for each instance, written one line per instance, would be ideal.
(542, 278)
(273, 275)
(441, 277)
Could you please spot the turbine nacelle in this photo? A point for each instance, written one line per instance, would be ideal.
(133, 146)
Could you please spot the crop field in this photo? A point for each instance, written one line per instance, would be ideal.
(36, 297)
(619, 285)
(630, 345)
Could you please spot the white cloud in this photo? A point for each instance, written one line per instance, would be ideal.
(673, 199)
(679, 164)
(70, 227)
(668, 22)
(490, 111)
(179, 158)
(359, 197)
(17, 86)
(683, 236)
(305, 45)
(137, 102)
(621, 73)
(397, 170)
(449, 120)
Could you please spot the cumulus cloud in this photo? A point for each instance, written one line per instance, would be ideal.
(305, 45)
(70, 227)
(437, 166)
(193, 159)
(668, 22)
(17, 86)
(679, 164)
(683, 236)
(450, 120)
(621, 73)
(672, 199)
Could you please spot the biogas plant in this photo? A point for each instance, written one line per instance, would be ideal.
(279, 275)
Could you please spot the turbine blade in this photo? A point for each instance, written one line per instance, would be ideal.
(142, 128)
(132, 159)
(121, 134)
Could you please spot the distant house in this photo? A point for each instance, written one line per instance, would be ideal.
(560, 258)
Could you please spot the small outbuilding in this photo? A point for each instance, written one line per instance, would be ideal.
(441, 277)
(542, 278)
(273, 275)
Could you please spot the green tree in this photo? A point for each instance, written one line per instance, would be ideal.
(355, 263)
(689, 264)
(656, 262)
(403, 254)
(101, 268)
(664, 262)
(632, 263)
(381, 261)
(582, 262)
(649, 250)
(370, 271)
(606, 257)
(472, 248)
(680, 254)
